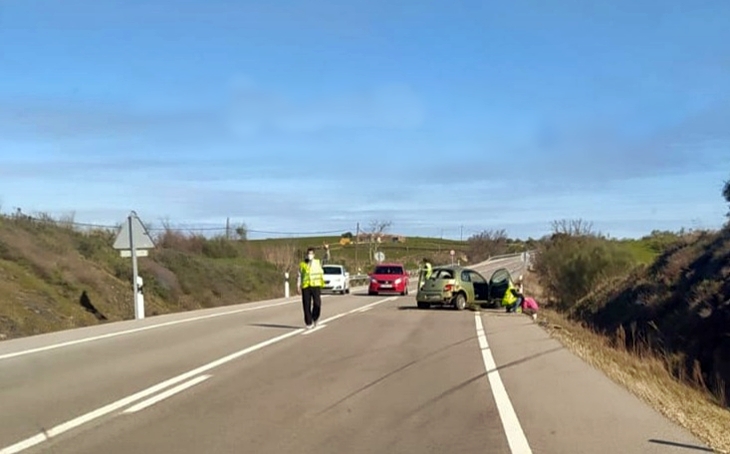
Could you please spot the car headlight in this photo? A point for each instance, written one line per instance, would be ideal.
(398, 281)
(374, 281)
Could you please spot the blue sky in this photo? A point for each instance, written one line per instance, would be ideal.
(442, 117)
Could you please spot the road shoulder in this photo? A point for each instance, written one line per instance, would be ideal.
(556, 396)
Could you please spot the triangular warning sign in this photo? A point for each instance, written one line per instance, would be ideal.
(139, 235)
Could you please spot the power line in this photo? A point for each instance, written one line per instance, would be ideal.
(188, 227)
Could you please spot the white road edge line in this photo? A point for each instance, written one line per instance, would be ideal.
(121, 403)
(137, 330)
(513, 430)
(169, 393)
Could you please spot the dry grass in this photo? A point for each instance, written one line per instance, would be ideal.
(643, 373)
(646, 376)
(45, 265)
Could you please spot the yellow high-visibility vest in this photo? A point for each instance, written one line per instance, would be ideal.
(311, 274)
(509, 298)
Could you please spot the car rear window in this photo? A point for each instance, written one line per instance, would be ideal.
(389, 270)
(332, 270)
(440, 273)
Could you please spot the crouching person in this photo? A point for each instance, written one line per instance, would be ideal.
(512, 299)
(530, 307)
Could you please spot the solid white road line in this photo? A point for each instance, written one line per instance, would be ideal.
(170, 392)
(137, 330)
(513, 430)
(114, 406)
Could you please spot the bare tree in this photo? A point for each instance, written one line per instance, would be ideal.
(283, 256)
(487, 243)
(572, 227)
(726, 193)
(375, 233)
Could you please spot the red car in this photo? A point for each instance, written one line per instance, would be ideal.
(389, 277)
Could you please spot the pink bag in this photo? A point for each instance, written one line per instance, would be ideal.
(529, 303)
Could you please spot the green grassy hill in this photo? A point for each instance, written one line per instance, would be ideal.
(359, 255)
(45, 266)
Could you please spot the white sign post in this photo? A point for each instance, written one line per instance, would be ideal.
(286, 285)
(452, 253)
(134, 241)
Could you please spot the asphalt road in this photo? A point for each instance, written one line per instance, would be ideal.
(377, 376)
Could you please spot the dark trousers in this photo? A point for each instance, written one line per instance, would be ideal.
(312, 304)
(514, 306)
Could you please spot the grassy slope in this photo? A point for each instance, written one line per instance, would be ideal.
(45, 267)
(663, 331)
(680, 305)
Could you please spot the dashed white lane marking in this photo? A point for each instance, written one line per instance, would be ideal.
(121, 403)
(137, 330)
(513, 430)
(164, 395)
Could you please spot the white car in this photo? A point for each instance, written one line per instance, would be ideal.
(336, 279)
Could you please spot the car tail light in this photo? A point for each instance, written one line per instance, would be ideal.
(448, 287)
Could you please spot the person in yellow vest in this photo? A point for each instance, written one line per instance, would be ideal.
(310, 281)
(425, 272)
(512, 299)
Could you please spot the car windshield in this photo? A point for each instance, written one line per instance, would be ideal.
(441, 273)
(388, 270)
(332, 270)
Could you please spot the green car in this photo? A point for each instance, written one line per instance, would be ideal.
(459, 286)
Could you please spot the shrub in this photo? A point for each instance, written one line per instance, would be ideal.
(486, 244)
(574, 259)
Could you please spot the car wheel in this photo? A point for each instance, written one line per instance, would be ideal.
(422, 305)
(371, 293)
(460, 302)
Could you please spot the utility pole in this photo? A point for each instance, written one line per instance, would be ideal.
(357, 240)
(228, 228)
(461, 236)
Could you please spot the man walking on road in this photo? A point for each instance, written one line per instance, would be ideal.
(309, 284)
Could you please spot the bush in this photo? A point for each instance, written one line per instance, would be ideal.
(220, 248)
(487, 244)
(572, 261)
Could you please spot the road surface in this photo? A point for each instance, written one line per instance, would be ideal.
(377, 376)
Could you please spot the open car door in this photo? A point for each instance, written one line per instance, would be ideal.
(481, 287)
(498, 285)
